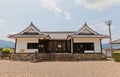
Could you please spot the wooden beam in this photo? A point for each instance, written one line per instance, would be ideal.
(15, 44)
(101, 45)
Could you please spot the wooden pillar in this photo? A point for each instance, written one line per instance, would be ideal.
(71, 45)
(15, 44)
(101, 45)
(66, 46)
(38, 45)
(45, 46)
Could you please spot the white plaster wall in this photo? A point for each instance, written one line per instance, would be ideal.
(96, 41)
(107, 53)
(58, 36)
(22, 44)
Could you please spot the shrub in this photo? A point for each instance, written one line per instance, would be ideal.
(116, 56)
(6, 50)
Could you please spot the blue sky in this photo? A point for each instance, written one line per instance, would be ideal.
(59, 15)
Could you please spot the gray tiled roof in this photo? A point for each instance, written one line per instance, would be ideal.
(85, 31)
(116, 41)
(27, 36)
(85, 28)
(31, 25)
(89, 36)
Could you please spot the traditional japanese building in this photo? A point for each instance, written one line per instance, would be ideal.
(85, 40)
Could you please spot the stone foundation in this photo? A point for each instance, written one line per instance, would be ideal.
(80, 57)
(57, 57)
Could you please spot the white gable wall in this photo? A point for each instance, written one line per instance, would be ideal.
(31, 30)
(86, 29)
(58, 36)
(96, 41)
(22, 44)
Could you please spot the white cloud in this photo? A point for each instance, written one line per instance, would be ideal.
(105, 41)
(2, 23)
(67, 15)
(52, 5)
(98, 5)
(101, 26)
(12, 33)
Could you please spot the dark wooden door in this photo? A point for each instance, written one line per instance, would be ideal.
(41, 46)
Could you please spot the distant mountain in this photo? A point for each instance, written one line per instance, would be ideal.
(104, 46)
(8, 44)
(117, 46)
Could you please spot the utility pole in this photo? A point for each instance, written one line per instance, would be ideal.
(109, 23)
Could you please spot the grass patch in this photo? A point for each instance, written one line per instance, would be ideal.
(116, 56)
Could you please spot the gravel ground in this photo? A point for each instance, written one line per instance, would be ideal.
(59, 69)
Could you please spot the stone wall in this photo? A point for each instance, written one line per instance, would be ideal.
(89, 57)
(24, 57)
(57, 57)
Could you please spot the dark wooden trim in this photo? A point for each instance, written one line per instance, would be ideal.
(101, 45)
(53, 47)
(43, 42)
(66, 49)
(70, 46)
(94, 47)
(38, 46)
(15, 44)
(45, 46)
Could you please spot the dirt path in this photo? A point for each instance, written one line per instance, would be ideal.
(59, 69)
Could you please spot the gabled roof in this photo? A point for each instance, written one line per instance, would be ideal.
(31, 29)
(33, 32)
(86, 30)
(30, 32)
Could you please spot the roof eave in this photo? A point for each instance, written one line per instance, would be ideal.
(102, 37)
(14, 36)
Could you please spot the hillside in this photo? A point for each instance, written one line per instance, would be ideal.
(117, 46)
(8, 44)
